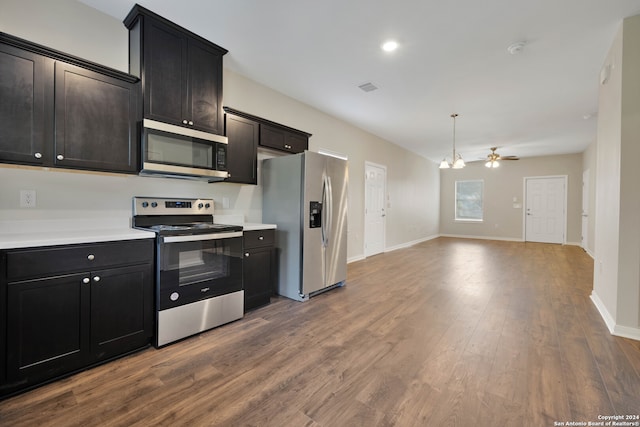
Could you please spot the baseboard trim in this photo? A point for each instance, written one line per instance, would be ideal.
(617, 330)
(409, 244)
(394, 248)
(355, 258)
(467, 236)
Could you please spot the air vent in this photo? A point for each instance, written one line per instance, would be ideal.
(368, 87)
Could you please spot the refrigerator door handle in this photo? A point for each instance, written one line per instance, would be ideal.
(329, 210)
(323, 217)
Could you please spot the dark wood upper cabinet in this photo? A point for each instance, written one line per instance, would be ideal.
(181, 72)
(283, 139)
(95, 119)
(22, 105)
(242, 150)
(246, 133)
(64, 111)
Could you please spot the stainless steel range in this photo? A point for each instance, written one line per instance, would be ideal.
(198, 266)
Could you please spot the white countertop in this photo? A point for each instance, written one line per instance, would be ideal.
(237, 219)
(30, 233)
(252, 226)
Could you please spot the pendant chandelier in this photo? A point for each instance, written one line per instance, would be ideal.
(456, 160)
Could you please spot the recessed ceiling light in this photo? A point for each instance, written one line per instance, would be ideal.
(516, 48)
(389, 46)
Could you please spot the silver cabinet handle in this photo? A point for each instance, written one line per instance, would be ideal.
(246, 254)
(261, 238)
(190, 122)
(184, 122)
(38, 155)
(60, 157)
(91, 257)
(96, 278)
(287, 146)
(85, 280)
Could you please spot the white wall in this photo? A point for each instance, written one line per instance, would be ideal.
(589, 162)
(501, 186)
(616, 290)
(72, 27)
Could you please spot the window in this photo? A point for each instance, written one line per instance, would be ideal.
(469, 200)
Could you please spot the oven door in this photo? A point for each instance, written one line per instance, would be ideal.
(196, 267)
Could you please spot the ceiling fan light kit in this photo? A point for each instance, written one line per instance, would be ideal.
(456, 160)
(492, 159)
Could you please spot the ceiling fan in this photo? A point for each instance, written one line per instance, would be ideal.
(492, 159)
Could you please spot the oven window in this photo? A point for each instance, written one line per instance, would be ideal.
(197, 262)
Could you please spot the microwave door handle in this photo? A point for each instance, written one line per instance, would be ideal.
(200, 237)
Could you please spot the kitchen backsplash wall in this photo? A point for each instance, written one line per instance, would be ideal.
(68, 194)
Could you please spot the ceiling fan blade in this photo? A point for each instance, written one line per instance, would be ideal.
(509, 158)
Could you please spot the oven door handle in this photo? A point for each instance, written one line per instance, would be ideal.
(200, 237)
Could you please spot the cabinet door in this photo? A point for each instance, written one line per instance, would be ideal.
(47, 327)
(121, 310)
(282, 139)
(296, 143)
(22, 106)
(257, 272)
(95, 119)
(242, 150)
(205, 87)
(272, 137)
(165, 74)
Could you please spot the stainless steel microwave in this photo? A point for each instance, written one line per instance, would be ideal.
(177, 152)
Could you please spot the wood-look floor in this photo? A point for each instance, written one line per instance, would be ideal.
(448, 332)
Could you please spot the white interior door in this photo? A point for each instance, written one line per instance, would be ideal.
(374, 213)
(545, 210)
(585, 210)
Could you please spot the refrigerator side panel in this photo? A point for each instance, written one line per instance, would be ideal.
(313, 251)
(336, 252)
(281, 205)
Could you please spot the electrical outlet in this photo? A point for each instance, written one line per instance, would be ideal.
(27, 198)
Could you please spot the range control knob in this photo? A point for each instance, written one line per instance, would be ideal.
(154, 205)
(145, 204)
(200, 205)
(207, 205)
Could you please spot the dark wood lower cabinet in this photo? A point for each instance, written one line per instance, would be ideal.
(121, 310)
(47, 327)
(258, 268)
(61, 323)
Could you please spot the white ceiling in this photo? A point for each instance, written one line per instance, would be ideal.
(452, 58)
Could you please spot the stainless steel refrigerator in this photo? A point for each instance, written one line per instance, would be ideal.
(306, 196)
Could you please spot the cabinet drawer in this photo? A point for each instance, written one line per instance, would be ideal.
(52, 260)
(258, 238)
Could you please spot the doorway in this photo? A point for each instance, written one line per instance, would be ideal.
(584, 241)
(375, 183)
(545, 210)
